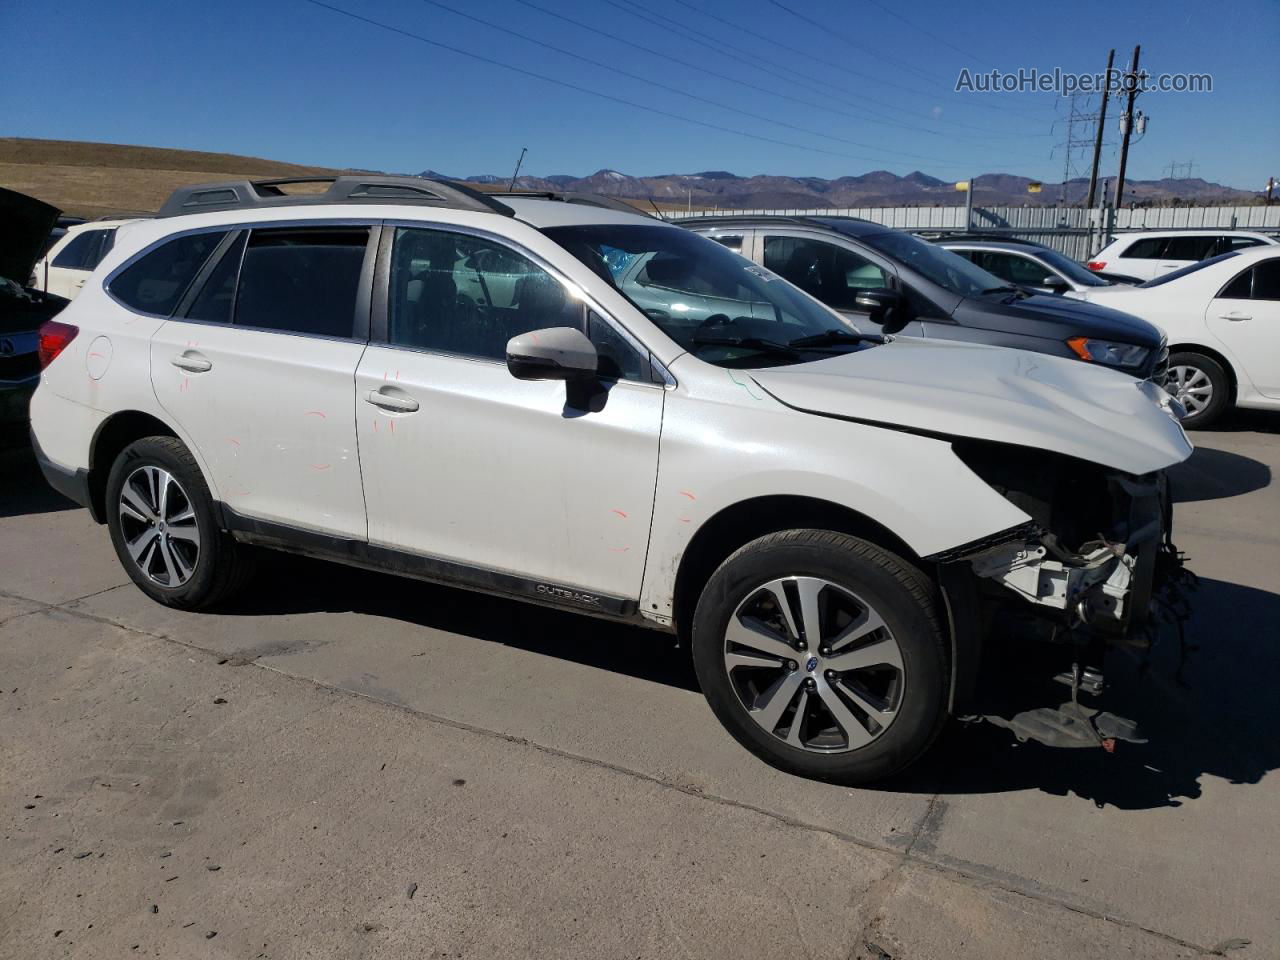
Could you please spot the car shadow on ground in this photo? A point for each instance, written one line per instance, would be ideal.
(1211, 474)
(23, 489)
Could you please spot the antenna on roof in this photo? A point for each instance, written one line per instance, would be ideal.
(523, 151)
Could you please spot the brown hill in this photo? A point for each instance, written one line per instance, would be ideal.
(92, 179)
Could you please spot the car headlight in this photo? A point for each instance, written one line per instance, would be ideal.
(1109, 353)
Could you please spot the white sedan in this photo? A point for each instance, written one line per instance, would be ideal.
(1222, 317)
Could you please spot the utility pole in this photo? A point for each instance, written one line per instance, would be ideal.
(968, 205)
(1271, 185)
(1102, 123)
(523, 151)
(1128, 126)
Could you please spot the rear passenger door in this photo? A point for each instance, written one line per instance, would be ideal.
(1183, 251)
(531, 487)
(257, 366)
(834, 275)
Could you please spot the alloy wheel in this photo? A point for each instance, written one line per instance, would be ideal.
(158, 523)
(1191, 387)
(814, 664)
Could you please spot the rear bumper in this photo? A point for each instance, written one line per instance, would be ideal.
(70, 482)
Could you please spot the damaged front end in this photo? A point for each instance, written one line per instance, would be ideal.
(1092, 568)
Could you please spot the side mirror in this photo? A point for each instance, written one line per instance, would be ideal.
(878, 301)
(554, 353)
(1055, 283)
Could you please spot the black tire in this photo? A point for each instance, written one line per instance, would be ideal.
(905, 601)
(221, 566)
(1220, 383)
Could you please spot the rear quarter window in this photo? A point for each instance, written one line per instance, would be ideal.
(156, 281)
(1148, 248)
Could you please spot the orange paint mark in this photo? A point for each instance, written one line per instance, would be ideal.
(321, 466)
(686, 493)
(92, 355)
(315, 413)
(619, 513)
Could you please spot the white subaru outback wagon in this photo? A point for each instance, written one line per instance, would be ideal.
(583, 406)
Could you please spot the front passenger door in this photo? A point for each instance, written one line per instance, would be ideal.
(834, 275)
(527, 486)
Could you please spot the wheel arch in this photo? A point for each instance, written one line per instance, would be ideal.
(738, 524)
(113, 435)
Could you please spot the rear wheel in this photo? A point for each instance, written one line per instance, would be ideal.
(822, 654)
(1200, 384)
(163, 526)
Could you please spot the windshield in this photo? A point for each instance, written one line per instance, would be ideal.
(1175, 274)
(1071, 270)
(713, 302)
(947, 269)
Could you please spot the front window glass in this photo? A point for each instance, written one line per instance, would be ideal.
(455, 293)
(830, 273)
(948, 270)
(715, 304)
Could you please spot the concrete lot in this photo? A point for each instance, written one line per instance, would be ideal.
(555, 787)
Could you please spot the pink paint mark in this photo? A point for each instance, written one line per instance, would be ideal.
(685, 520)
(686, 493)
(315, 413)
(92, 355)
(375, 426)
(321, 466)
(619, 513)
(186, 382)
(386, 374)
(233, 440)
(619, 549)
(393, 426)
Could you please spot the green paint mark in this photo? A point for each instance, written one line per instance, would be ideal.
(744, 386)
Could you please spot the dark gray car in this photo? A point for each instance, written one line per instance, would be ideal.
(887, 281)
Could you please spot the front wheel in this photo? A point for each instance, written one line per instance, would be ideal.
(822, 654)
(1200, 384)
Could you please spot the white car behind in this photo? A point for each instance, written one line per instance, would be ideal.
(68, 263)
(1150, 254)
(1222, 318)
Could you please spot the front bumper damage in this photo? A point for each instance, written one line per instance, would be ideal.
(1094, 568)
(1108, 583)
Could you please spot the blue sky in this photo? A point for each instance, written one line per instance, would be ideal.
(290, 80)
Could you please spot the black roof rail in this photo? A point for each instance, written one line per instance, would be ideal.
(586, 199)
(251, 194)
(938, 234)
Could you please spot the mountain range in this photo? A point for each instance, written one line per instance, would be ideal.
(880, 188)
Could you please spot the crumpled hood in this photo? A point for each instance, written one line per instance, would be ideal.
(990, 393)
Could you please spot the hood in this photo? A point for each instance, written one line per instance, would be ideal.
(27, 224)
(1088, 319)
(990, 393)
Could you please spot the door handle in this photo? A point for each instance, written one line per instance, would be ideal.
(388, 402)
(191, 364)
(1236, 315)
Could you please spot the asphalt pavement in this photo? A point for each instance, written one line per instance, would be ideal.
(352, 765)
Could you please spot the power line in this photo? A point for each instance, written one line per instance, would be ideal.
(867, 114)
(919, 29)
(587, 90)
(810, 55)
(676, 90)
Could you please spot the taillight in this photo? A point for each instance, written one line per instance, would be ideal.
(1097, 264)
(54, 337)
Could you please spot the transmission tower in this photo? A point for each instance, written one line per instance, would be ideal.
(1081, 122)
(1181, 171)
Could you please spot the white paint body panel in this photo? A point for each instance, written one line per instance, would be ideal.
(1148, 268)
(1191, 314)
(495, 472)
(272, 417)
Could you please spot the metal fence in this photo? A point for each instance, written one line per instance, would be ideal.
(1077, 232)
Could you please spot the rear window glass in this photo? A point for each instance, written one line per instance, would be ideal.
(1148, 248)
(1192, 268)
(155, 282)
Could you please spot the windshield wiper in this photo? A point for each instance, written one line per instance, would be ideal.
(751, 343)
(833, 337)
(1005, 289)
